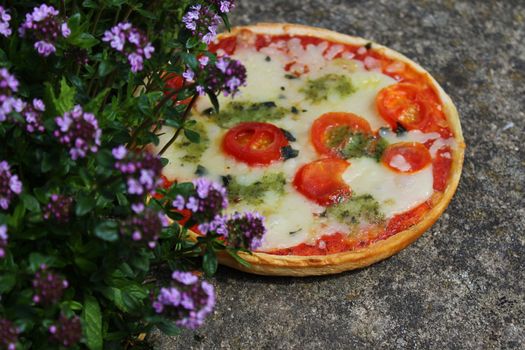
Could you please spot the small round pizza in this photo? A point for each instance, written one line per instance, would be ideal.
(349, 149)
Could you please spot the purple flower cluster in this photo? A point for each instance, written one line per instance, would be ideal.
(48, 286)
(10, 185)
(58, 209)
(188, 300)
(8, 103)
(32, 114)
(3, 240)
(131, 42)
(246, 230)
(206, 206)
(145, 227)
(78, 130)
(5, 18)
(67, 331)
(8, 335)
(202, 22)
(228, 75)
(223, 6)
(45, 26)
(142, 171)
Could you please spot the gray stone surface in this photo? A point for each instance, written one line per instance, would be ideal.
(462, 284)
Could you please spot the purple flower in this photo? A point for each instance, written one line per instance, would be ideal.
(8, 334)
(131, 42)
(58, 209)
(227, 75)
(44, 48)
(3, 240)
(141, 170)
(223, 6)
(246, 230)
(186, 278)
(188, 299)
(10, 185)
(206, 206)
(188, 75)
(48, 286)
(119, 152)
(32, 114)
(66, 331)
(8, 103)
(202, 22)
(5, 18)
(79, 131)
(146, 226)
(45, 27)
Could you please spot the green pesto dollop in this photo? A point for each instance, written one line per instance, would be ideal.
(355, 209)
(351, 144)
(254, 193)
(317, 90)
(193, 151)
(237, 112)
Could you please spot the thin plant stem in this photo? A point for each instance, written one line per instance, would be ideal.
(184, 117)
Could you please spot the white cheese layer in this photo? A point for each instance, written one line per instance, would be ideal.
(395, 192)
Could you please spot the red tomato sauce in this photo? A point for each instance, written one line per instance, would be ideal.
(339, 242)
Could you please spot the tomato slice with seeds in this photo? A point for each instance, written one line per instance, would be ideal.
(175, 82)
(254, 143)
(406, 157)
(403, 103)
(329, 132)
(322, 182)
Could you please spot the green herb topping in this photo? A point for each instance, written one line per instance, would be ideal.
(237, 112)
(319, 89)
(355, 209)
(351, 144)
(254, 193)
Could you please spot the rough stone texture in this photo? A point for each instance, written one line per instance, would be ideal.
(462, 284)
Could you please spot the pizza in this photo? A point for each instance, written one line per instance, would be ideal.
(349, 149)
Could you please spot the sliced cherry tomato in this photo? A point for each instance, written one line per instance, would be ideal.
(254, 143)
(322, 182)
(406, 157)
(175, 82)
(328, 131)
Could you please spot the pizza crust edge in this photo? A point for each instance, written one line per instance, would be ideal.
(287, 265)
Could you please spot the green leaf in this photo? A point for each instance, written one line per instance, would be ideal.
(237, 258)
(7, 282)
(92, 323)
(209, 263)
(90, 4)
(193, 136)
(190, 60)
(36, 260)
(168, 327)
(84, 205)
(192, 42)
(84, 40)
(94, 104)
(66, 100)
(140, 261)
(30, 202)
(146, 14)
(214, 101)
(107, 230)
(105, 68)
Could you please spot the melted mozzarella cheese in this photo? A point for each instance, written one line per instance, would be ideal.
(292, 219)
(395, 192)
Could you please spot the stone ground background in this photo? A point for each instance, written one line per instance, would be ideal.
(462, 284)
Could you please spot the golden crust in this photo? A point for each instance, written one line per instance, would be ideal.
(281, 265)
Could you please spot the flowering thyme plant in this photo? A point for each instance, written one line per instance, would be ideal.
(85, 216)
